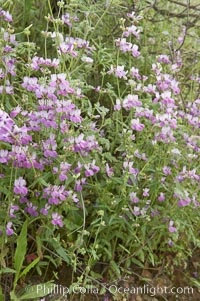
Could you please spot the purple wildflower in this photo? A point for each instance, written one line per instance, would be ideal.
(15, 112)
(184, 202)
(57, 219)
(4, 156)
(136, 210)
(167, 170)
(133, 197)
(161, 197)
(131, 101)
(45, 210)
(132, 30)
(123, 45)
(163, 59)
(135, 73)
(117, 106)
(136, 125)
(20, 186)
(13, 208)
(6, 15)
(31, 209)
(9, 230)
(109, 170)
(55, 194)
(118, 71)
(145, 192)
(170, 243)
(171, 227)
(135, 52)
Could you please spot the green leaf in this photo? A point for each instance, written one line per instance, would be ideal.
(37, 291)
(151, 257)
(39, 246)
(115, 268)
(102, 291)
(7, 270)
(179, 190)
(41, 180)
(96, 275)
(123, 248)
(13, 297)
(60, 250)
(28, 6)
(137, 262)
(20, 252)
(195, 282)
(105, 142)
(4, 190)
(109, 157)
(141, 255)
(70, 225)
(1, 294)
(29, 267)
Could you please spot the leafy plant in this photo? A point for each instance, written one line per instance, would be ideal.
(99, 145)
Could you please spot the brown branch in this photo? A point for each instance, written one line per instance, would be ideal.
(170, 14)
(194, 7)
(192, 23)
(182, 14)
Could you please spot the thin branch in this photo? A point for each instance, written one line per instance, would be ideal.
(171, 14)
(194, 7)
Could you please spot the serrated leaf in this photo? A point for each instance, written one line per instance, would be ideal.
(29, 267)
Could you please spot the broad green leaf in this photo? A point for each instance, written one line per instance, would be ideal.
(179, 190)
(4, 190)
(41, 180)
(28, 6)
(195, 282)
(13, 297)
(60, 251)
(141, 255)
(20, 251)
(37, 291)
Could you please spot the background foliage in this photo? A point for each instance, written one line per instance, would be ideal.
(114, 225)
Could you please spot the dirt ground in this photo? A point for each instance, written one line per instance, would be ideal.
(149, 284)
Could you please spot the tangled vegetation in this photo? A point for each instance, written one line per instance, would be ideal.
(99, 145)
